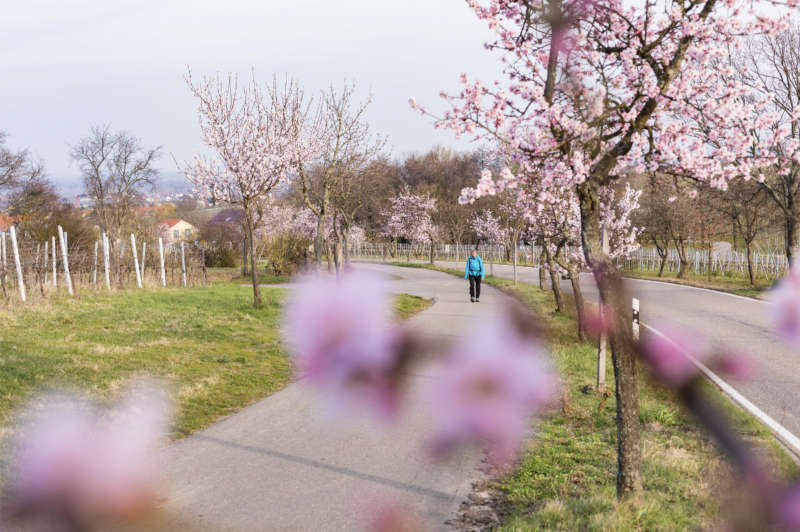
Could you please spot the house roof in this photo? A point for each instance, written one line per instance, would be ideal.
(169, 222)
(227, 216)
(6, 221)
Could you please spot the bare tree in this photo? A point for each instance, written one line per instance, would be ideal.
(117, 169)
(347, 146)
(17, 171)
(746, 204)
(773, 61)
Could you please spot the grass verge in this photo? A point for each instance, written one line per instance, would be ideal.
(214, 349)
(566, 479)
(732, 285)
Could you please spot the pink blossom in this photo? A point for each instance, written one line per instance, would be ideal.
(344, 342)
(69, 458)
(493, 382)
(669, 355)
(788, 509)
(599, 320)
(391, 517)
(784, 307)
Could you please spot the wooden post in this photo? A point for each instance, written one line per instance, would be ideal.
(161, 257)
(106, 261)
(136, 261)
(55, 262)
(183, 264)
(94, 267)
(17, 263)
(62, 236)
(602, 347)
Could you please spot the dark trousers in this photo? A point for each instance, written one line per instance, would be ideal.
(475, 286)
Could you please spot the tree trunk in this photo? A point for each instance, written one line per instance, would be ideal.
(542, 274)
(329, 252)
(318, 243)
(612, 294)
(244, 254)
(663, 262)
(252, 245)
(516, 247)
(748, 250)
(554, 281)
(791, 238)
(574, 278)
(431, 251)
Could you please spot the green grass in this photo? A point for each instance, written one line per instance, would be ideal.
(217, 353)
(406, 305)
(566, 478)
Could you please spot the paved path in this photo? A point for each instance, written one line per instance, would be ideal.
(276, 466)
(724, 319)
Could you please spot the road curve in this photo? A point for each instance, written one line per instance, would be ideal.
(277, 466)
(736, 322)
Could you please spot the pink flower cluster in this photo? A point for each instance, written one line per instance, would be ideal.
(73, 461)
(346, 346)
(493, 382)
(344, 342)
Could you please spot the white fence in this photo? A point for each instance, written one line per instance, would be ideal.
(446, 252)
(769, 265)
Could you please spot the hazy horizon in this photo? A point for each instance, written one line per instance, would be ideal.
(89, 63)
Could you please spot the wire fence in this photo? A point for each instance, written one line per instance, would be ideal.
(766, 265)
(389, 252)
(32, 270)
(769, 265)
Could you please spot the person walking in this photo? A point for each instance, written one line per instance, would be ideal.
(475, 273)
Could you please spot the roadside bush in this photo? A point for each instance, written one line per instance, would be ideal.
(220, 257)
(286, 253)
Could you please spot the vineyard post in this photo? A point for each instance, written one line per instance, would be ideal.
(62, 236)
(144, 251)
(183, 264)
(17, 263)
(94, 267)
(135, 254)
(106, 261)
(161, 259)
(55, 262)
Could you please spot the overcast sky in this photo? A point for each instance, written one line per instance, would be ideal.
(68, 64)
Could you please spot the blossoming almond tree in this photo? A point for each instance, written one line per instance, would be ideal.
(594, 89)
(256, 133)
(409, 217)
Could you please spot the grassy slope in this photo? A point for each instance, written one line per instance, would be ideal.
(218, 353)
(566, 481)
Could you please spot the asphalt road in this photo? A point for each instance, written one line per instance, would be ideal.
(726, 320)
(277, 465)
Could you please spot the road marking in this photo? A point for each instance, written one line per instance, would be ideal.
(781, 432)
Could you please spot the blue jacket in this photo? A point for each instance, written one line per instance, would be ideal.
(474, 267)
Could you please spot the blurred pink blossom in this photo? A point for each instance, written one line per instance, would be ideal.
(668, 356)
(492, 383)
(344, 341)
(598, 319)
(391, 517)
(788, 509)
(69, 459)
(784, 307)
